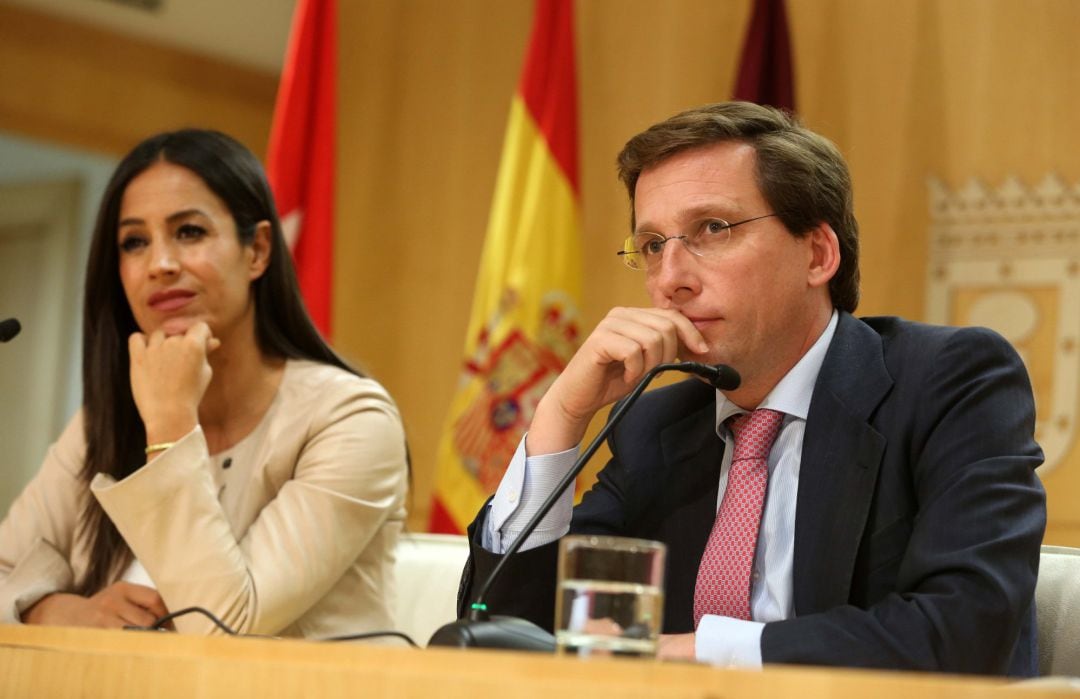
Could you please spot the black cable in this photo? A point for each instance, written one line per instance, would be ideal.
(372, 634)
(159, 624)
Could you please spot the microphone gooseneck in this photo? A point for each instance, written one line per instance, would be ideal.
(720, 376)
(9, 329)
(518, 633)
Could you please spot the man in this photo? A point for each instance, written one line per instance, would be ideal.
(895, 515)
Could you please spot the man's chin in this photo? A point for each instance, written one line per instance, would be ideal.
(712, 357)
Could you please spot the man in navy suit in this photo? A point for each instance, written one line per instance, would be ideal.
(899, 522)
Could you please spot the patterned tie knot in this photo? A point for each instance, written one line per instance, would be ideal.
(755, 433)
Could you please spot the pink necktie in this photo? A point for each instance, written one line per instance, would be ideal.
(723, 581)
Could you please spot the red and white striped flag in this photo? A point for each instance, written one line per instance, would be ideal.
(301, 158)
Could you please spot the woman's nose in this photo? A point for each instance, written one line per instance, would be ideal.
(163, 260)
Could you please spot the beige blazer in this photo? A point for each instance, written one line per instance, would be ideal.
(290, 532)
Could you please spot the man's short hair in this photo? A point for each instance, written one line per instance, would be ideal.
(801, 174)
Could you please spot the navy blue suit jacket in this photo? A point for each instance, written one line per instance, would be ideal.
(918, 520)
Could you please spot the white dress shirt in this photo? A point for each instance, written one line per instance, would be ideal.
(719, 640)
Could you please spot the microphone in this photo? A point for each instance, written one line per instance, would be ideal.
(480, 630)
(9, 328)
(720, 376)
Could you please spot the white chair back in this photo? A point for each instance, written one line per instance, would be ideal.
(1057, 602)
(428, 570)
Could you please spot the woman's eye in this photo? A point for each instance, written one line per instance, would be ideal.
(132, 243)
(190, 231)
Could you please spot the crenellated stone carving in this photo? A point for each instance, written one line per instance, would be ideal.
(1008, 257)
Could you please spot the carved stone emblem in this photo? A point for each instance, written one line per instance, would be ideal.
(1008, 258)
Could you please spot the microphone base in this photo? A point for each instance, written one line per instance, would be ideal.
(498, 632)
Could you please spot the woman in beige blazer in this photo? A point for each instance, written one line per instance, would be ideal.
(224, 457)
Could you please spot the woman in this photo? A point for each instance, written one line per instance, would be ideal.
(222, 446)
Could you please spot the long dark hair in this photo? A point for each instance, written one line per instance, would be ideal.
(115, 436)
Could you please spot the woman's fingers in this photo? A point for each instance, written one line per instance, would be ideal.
(129, 604)
(145, 597)
(169, 376)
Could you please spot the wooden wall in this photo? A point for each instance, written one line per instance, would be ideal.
(71, 84)
(908, 90)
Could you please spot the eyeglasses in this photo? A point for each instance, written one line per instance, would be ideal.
(645, 250)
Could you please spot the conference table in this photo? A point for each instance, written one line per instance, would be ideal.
(57, 662)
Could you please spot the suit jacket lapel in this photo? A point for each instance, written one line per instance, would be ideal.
(840, 460)
(692, 454)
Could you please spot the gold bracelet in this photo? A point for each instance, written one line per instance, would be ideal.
(162, 446)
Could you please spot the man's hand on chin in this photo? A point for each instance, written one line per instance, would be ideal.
(679, 646)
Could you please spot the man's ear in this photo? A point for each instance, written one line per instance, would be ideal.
(261, 248)
(824, 255)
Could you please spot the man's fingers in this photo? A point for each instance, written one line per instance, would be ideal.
(616, 348)
(691, 337)
(684, 328)
(653, 344)
(663, 329)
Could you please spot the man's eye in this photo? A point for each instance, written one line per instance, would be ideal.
(653, 247)
(714, 226)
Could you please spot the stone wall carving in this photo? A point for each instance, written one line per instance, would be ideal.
(1008, 258)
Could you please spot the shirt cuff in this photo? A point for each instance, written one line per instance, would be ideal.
(191, 448)
(128, 500)
(525, 485)
(41, 571)
(728, 642)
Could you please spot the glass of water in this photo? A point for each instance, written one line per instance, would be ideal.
(610, 599)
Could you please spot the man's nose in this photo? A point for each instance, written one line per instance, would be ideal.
(676, 272)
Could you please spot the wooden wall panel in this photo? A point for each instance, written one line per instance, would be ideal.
(907, 89)
(71, 84)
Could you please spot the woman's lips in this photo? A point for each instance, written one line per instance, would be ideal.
(170, 300)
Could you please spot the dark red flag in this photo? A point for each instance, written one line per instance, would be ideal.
(765, 74)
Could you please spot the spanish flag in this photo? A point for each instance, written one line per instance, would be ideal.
(524, 324)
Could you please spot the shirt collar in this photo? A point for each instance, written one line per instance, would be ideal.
(792, 394)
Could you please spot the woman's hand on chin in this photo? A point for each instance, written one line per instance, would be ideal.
(169, 375)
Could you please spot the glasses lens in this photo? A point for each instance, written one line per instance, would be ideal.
(710, 238)
(649, 247)
(630, 255)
